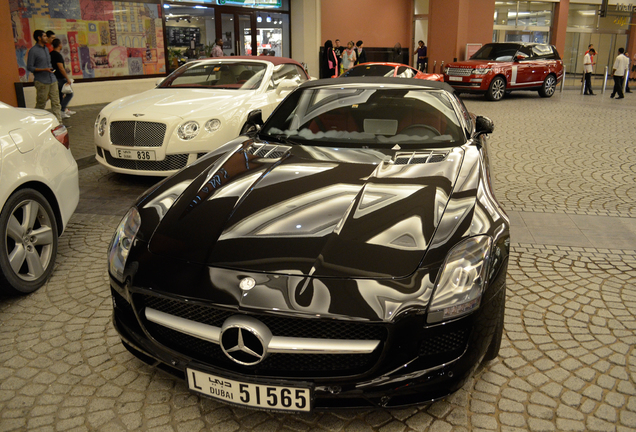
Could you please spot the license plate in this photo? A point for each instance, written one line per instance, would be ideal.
(136, 154)
(455, 78)
(248, 394)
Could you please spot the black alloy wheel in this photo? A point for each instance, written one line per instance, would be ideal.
(548, 88)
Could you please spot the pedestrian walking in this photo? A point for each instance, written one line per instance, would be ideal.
(361, 54)
(348, 57)
(621, 63)
(217, 51)
(57, 60)
(39, 64)
(588, 67)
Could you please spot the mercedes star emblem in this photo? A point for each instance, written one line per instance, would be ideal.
(245, 339)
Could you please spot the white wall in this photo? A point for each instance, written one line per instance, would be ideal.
(88, 93)
(305, 34)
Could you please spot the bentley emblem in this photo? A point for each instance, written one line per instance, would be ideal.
(247, 283)
(139, 115)
(245, 339)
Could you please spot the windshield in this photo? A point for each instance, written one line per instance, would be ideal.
(367, 118)
(370, 70)
(496, 52)
(226, 75)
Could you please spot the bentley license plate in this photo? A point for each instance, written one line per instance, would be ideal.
(248, 394)
(136, 154)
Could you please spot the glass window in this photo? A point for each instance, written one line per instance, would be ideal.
(523, 13)
(497, 52)
(370, 70)
(287, 71)
(190, 33)
(543, 52)
(369, 117)
(406, 72)
(205, 74)
(269, 34)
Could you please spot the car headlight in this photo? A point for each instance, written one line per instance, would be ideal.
(461, 281)
(212, 125)
(101, 129)
(122, 242)
(188, 130)
(482, 71)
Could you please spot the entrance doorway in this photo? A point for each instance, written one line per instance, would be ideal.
(236, 32)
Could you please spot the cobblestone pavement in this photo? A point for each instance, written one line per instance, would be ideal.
(568, 358)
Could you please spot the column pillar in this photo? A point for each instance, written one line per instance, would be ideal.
(306, 33)
(560, 25)
(9, 65)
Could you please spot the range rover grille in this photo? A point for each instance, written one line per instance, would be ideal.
(459, 71)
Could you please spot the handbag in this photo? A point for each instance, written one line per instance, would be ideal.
(67, 89)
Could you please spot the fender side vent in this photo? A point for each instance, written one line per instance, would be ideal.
(269, 151)
(414, 158)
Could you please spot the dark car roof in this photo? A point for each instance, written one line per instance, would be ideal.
(528, 44)
(375, 81)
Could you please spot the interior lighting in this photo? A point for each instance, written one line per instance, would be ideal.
(269, 18)
(259, 19)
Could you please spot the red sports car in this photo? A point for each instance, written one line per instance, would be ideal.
(499, 68)
(397, 70)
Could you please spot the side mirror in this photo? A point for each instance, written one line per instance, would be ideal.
(286, 85)
(253, 123)
(483, 126)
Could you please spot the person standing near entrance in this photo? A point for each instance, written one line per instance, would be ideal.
(422, 56)
(588, 67)
(217, 51)
(39, 64)
(618, 73)
(57, 60)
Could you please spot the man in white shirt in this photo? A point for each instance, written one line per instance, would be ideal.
(588, 67)
(619, 70)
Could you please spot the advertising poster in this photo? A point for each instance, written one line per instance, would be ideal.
(100, 38)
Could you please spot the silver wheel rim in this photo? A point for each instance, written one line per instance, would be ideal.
(498, 89)
(549, 86)
(29, 240)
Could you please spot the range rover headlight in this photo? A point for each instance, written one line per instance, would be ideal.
(461, 282)
(481, 71)
(122, 242)
(212, 125)
(188, 130)
(101, 129)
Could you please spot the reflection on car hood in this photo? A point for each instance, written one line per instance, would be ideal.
(317, 211)
(476, 64)
(182, 102)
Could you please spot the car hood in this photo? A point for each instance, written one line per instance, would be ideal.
(317, 211)
(184, 103)
(472, 64)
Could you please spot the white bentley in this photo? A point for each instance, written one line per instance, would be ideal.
(194, 110)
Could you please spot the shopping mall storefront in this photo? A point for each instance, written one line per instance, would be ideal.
(105, 38)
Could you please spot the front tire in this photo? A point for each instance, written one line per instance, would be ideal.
(28, 242)
(548, 87)
(497, 89)
(495, 344)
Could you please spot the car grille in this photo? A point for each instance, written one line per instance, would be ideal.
(137, 133)
(445, 347)
(419, 158)
(277, 364)
(459, 71)
(170, 163)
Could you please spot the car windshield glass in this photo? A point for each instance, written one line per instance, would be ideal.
(497, 52)
(226, 75)
(363, 117)
(370, 70)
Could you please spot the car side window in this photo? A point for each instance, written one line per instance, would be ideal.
(524, 53)
(542, 52)
(405, 72)
(287, 71)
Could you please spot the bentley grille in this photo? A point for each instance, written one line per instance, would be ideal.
(459, 71)
(137, 133)
(170, 163)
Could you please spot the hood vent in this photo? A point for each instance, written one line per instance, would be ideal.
(269, 151)
(414, 158)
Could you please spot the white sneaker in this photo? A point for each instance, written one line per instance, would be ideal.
(69, 112)
(65, 116)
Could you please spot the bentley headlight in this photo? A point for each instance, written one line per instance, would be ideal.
(122, 242)
(188, 130)
(461, 281)
(101, 129)
(481, 71)
(212, 125)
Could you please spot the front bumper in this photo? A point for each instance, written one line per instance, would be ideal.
(409, 367)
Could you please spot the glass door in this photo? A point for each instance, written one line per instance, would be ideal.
(236, 32)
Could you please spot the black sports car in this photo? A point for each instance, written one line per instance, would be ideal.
(347, 253)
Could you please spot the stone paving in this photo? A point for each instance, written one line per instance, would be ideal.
(568, 358)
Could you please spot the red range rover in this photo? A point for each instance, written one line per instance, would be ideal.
(499, 68)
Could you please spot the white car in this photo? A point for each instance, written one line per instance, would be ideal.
(39, 192)
(199, 107)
